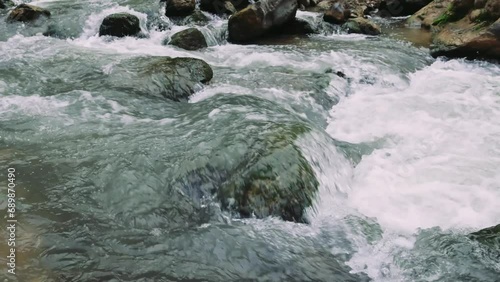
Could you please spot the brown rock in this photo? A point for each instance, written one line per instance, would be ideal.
(27, 13)
(426, 16)
(459, 40)
(476, 15)
(492, 8)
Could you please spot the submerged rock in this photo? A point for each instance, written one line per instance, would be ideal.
(179, 8)
(257, 19)
(363, 26)
(258, 172)
(27, 13)
(120, 25)
(280, 182)
(189, 39)
(173, 78)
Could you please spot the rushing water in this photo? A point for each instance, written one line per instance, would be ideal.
(406, 149)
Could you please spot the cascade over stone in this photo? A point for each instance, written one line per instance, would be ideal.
(255, 20)
(189, 39)
(179, 8)
(260, 172)
(27, 13)
(120, 24)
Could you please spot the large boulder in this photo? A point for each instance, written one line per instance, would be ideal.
(120, 25)
(362, 26)
(179, 8)
(189, 39)
(27, 13)
(462, 28)
(172, 78)
(482, 43)
(255, 20)
(220, 7)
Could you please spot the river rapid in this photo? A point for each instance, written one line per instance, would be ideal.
(406, 149)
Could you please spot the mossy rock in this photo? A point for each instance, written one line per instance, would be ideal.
(275, 179)
(172, 78)
(258, 172)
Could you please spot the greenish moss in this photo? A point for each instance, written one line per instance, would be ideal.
(444, 18)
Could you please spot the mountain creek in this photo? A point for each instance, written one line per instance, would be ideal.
(236, 140)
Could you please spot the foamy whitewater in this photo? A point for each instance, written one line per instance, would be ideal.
(406, 149)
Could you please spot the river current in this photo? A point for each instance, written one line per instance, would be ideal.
(406, 149)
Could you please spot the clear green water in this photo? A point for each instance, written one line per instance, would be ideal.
(406, 150)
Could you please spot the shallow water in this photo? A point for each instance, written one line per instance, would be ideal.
(406, 149)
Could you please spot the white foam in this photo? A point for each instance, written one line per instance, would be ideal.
(438, 165)
(30, 105)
